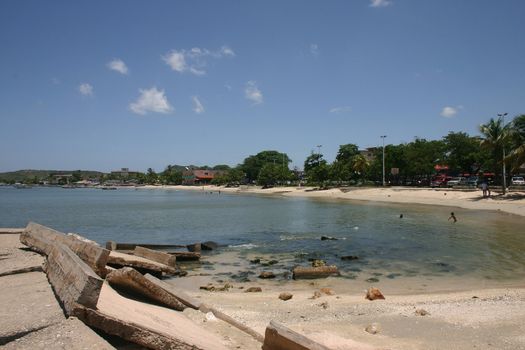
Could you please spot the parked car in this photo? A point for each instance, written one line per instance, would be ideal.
(456, 181)
(473, 181)
(518, 180)
(440, 181)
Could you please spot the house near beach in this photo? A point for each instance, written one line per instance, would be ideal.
(199, 177)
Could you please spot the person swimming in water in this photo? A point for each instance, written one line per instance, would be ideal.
(452, 217)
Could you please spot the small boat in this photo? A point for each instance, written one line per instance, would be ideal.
(22, 186)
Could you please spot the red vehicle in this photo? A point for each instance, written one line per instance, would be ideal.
(440, 181)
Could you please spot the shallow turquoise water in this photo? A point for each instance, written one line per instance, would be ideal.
(484, 244)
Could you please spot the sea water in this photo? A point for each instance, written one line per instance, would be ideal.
(484, 245)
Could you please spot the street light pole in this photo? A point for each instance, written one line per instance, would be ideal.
(319, 154)
(502, 115)
(383, 138)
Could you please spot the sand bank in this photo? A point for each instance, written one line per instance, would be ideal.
(513, 202)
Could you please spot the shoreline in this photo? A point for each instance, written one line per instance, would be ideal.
(512, 203)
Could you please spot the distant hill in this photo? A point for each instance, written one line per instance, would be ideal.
(25, 175)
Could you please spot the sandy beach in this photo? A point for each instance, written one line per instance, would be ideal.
(512, 202)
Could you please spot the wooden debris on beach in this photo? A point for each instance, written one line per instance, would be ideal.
(301, 272)
(130, 279)
(374, 294)
(158, 256)
(42, 239)
(151, 326)
(73, 281)
(279, 337)
(141, 264)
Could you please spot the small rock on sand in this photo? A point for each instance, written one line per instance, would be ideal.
(324, 305)
(422, 312)
(253, 290)
(373, 328)
(327, 291)
(267, 274)
(285, 296)
(374, 294)
(316, 295)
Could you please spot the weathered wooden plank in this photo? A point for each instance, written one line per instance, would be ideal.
(177, 293)
(152, 326)
(36, 243)
(93, 255)
(139, 263)
(130, 279)
(222, 316)
(72, 279)
(279, 337)
(155, 255)
(301, 272)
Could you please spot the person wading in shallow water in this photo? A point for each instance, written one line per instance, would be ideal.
(452, 217)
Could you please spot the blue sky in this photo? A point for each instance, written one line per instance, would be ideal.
(109, 84)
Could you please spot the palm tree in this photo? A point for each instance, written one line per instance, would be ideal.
(495, 136)
(360, 164)
(516, 156)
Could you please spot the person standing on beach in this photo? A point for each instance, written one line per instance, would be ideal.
(452, 217)
(485, 189)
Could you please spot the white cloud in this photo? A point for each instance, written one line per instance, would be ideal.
(118, 65)
(252, 92)
(342, 109)
(86, 89)
(314, 49)
(55, 81)
(151, 100)
(197, 105)
(176, 60)
(380, 3)
(449, 112)
(194, 59)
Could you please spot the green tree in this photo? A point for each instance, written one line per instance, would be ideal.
(222, 167)
(463, 154)
(316, 168)
(252, 165)
(342, 168)
(495, 136)
(516, 157)
(151, 176)
(360, 165)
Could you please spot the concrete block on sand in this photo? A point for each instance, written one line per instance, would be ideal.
(139, 263)
(73, 281)
(27, 303)
(161, 257)
(148, 325)
(16, 260)
(130, 279)
(279, 337)
(69, 334)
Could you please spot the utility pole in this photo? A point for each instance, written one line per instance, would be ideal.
(502, 116)
(383, 138)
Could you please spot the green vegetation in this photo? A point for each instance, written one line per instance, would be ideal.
(407, 163)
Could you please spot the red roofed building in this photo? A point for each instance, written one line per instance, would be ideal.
(199, 177)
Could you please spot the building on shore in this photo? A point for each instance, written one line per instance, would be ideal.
(124, 172)
(199, 177)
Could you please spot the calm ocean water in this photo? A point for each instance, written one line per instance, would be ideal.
(485, 244)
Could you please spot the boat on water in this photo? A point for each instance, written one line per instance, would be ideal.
(22, 186)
